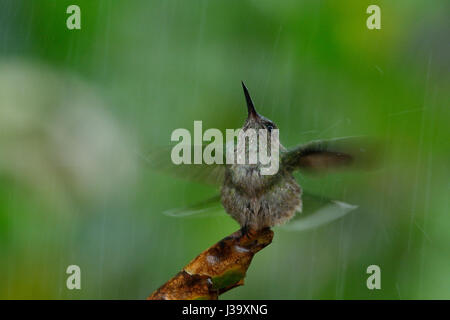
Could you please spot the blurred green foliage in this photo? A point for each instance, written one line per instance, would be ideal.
(79, 107)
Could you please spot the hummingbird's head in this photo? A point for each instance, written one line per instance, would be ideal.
(254, 119)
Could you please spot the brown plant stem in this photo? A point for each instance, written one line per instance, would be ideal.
(216, 270)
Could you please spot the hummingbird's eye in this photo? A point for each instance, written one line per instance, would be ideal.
(269, 127)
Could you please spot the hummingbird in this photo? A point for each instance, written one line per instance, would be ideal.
(259, 201)
(254, 200)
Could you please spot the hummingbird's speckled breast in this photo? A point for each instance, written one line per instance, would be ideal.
(258, 201)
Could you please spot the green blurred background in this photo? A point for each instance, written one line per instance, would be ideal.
(78, 108)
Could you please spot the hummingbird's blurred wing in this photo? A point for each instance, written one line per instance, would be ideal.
(207, 208)
(317, 211)
(160, 159)
(324, 155)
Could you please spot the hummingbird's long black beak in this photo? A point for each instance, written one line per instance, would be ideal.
(250, 107)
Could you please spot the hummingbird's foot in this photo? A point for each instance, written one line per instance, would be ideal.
(244, 231)
(247, 231)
